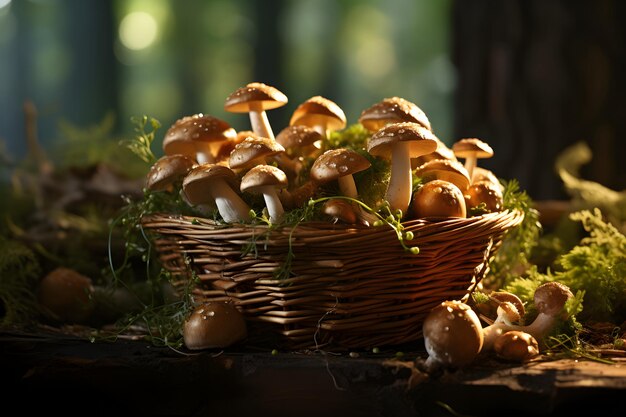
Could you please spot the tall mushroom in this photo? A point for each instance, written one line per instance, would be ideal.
(255, 99)
(198, 136)
(392, 110)
(399, 142)
(471, 149)
(321, 114)
(266, 179)
(213, 184)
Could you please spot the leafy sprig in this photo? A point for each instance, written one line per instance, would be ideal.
(141, 143)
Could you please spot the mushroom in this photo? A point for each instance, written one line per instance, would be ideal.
(266, 179)
(214, 324)
(168, 171)
(255, 99)
(516, 346)
(212, 184)
(484, 174)
(340, 210)
(66, 295)
(198, 136)
(299, 142)
(471, 149)
(438, 198)
(442, 152)
(453, 335)
(253, 150)
(444, 169)
(507, 316)
(321, 114)
(392, 110)
(486, 195)
(549, 300)
(400, 142)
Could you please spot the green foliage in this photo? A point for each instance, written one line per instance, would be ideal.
(141, 143)
(19, 275)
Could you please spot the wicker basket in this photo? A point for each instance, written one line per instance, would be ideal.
(349, 287)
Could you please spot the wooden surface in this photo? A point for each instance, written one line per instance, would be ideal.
(72, 376)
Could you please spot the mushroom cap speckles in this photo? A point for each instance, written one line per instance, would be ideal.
(263, 175)
(262, 95)
(319, 110)
(180, 137)
(392, 110)
(452, 334)
(252, 148)
(167, 170)
(468, 147)
(336, 163)
(422, 141)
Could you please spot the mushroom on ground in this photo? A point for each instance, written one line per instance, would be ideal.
(516, 346)
(198, 136)
(321, 114)
(255, 99)
(266, 180)
(168, 171)
(392, 110)
(452, 334)
(508, 315)
(215, 324)
(438, 198)
(471, 149)
(400, 142)
(66, 295)
(213, 184)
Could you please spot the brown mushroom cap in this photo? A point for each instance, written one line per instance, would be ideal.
(444, 169)
(452, 334)
(438, 198)
(340, 210)
(485, 192)
(484, 174)
(442, 152)
(263, 175)
(252, 150)
(254, 96)
(550, 298)
(319, 111)
(336, 163)
(197, 183)
(298, 140)
(188, 133)
(168, 170)
(505, 296)
(472, 147)
(392, 110)
(66, 294)
(516, 345)
(214, 324)
(421, 140)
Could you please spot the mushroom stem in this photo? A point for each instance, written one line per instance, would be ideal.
(470, 164)
(259, 122)
(231, 206)
(400, 182)
(204, 156)
(272, 202)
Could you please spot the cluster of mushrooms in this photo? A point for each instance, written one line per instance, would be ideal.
(454, 335)
(214, 165)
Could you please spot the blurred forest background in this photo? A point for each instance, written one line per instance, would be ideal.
(528, 77)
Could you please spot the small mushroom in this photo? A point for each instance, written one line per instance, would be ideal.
(471, 149)
(213, 184)
(340, 210)
(66, 295)
(255, 99)
(168, 171)
(266, 179)
(215, 324)
(453, 335)
(392, 110)
(508, 315)
(198, 136)
(438, 198)
(321, 114)
(399, 143)
(444, 169)
(484, 193)
(442, 152)
(516, 346)
(299, 142)
(253, 150)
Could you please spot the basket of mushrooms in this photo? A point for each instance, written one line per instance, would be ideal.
(325, 235)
